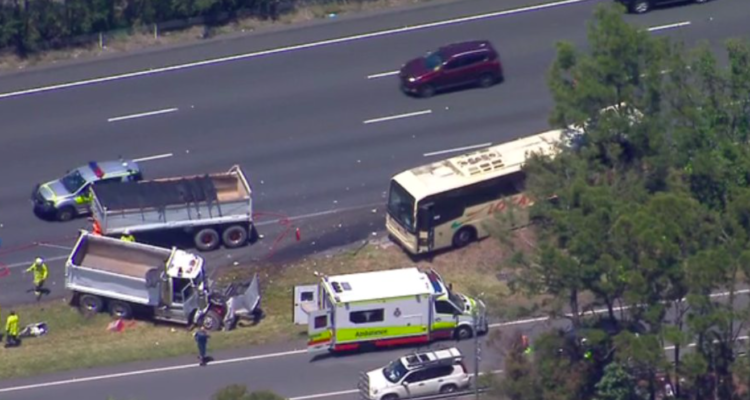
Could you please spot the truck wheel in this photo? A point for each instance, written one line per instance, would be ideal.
(91, 304)
(390, 397)
(206, 239)
(120, 309)
(464, 332)
(66, 214)
(234, 236)
(211, 321)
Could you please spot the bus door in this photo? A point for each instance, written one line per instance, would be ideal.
(426, 226)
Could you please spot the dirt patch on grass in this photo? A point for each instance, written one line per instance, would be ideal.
(146, 37)
(75, 341)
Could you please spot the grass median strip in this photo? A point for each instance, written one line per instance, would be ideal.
(75, 341)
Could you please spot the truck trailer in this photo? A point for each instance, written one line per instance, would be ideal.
(385, 308)
(127, 278)
(212, 208)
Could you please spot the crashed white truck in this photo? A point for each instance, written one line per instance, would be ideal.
(130, 279)
(211, 209)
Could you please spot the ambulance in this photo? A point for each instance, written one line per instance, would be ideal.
(384, 308)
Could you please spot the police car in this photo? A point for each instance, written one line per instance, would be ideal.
(68, 197)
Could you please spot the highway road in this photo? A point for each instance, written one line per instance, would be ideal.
(295, 119)
(309, 120)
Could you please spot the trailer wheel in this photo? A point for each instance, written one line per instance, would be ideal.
(211, 321)
(206, 239)
(120, 309)
(91, 304)
(234, 236)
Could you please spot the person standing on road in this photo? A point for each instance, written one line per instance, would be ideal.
(39, 268)
(201, 338)
(11, 330)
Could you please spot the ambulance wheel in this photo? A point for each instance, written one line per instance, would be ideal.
(235, 236)
(390, 397)
(464, 236)
(66, 214)
(206, 239)
(464, 332)
(120, 309)
(211, 321)
(91, 304)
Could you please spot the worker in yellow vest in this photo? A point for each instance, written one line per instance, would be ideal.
(39, 268)
(11, 330)
(127, 237)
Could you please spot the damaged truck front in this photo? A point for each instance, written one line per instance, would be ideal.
(130, 279)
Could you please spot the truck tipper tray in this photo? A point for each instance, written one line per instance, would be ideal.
(103, 256)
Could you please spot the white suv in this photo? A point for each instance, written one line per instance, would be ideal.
(416, 375)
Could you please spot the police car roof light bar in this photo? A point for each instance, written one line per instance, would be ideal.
(95, 167)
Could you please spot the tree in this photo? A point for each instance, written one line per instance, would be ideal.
(616, 384)
(651, 202)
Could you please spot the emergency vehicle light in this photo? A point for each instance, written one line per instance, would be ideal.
(97, 171)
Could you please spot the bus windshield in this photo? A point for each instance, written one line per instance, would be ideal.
(401, 206)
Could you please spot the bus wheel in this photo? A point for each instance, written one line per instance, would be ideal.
(464, 236)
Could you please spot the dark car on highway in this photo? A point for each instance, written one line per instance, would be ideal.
(644, 6)
(455, 65)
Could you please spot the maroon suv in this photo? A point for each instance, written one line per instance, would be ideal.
(454, 65)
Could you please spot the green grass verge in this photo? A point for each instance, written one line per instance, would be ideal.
(76, 342)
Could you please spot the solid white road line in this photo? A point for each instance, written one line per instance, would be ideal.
(28, 263)
(287, 49)
(54, 246)
(382, 74)
(151, 158)
(599, 311)
(400, 116)
(322, 395)
(147, 371)
(141, 115)
(670, 26)
(476, 146)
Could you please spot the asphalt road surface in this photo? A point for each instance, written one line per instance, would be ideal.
(295, 119)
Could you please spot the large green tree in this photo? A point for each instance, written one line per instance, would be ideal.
(651, 202)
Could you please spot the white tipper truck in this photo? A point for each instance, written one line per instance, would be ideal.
(210, 208)
(127, 279)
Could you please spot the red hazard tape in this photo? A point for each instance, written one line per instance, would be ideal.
(284, 221)
(4, 271)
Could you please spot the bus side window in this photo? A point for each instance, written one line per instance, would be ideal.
(448, 206)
